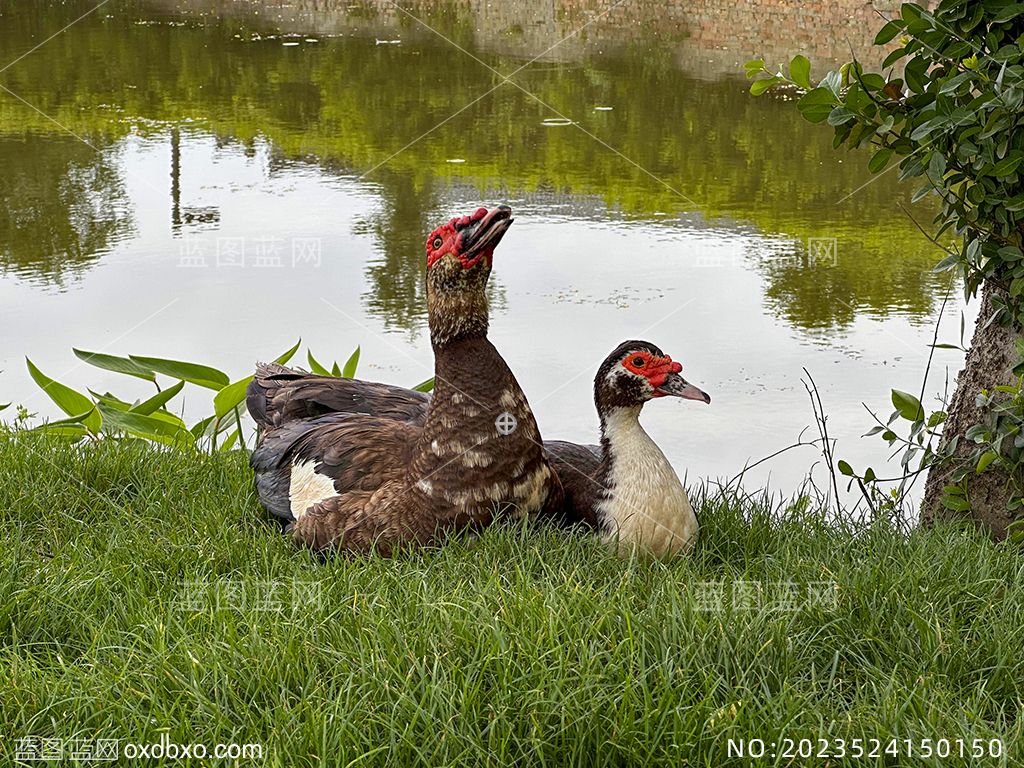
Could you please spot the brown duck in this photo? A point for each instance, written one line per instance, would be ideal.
(360, 466)
(624, 489)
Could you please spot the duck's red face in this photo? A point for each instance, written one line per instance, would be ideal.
(469, 238)
(661, 374)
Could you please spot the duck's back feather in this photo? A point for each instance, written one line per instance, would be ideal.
(278, 395)
(579, 470)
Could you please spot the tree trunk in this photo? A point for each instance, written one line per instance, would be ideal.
(990, 360)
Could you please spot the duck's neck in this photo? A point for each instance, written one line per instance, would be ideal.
(645, 503)
(457, 317)
(479, 445)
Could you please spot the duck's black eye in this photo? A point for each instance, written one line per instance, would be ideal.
(438, 242)
(638, 362)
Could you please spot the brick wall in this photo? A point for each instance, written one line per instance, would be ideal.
(707, 38)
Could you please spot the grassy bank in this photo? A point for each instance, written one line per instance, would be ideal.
(142, 594)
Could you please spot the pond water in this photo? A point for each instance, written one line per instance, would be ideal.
(211, 181)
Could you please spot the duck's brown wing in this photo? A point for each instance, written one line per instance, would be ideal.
(356, 453)
(360, 522)
(579, 470)
(279, 395)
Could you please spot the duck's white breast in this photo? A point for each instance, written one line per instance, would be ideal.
(648, 507)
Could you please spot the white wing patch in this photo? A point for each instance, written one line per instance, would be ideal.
(308, 487)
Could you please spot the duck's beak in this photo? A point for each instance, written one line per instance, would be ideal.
(487, 232)
(676, 386)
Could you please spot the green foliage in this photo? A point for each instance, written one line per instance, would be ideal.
(923, 433)
(194, 373)
(76, 405)
(116, 364)
(908, 406)
(997, 442)
(425, 386)
(106, 415)
(954, 118)
(350, 365)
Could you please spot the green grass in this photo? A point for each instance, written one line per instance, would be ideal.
(526, 646)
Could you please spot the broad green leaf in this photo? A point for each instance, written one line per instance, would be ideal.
(116, 364)
(879, 160)
(760, 86)
(1008, 164)
(79, 419)
(194, 373)
(800, 71)
(111, 401)
(1009, 12)
(350, 365)
(893, 57)
(148, 427)
(986, 458)
(1015, 532)
(159, 400)
(4, 406)
(315, 366)
(910, 12)
(922, 192)
(845, 469)
(68, 400)
(816, 105)
(833, 81)
(914, 74)
(425, 386)
(927, 127)
(168, 418)
(889, 31)
(955, 82)
(957, 504)
(69, 428)
(230, 397)
(937, 167)
(872, 81)
(1009, 54)
(289, 354)
(1010, 253)
(909, 407)
(840, 116)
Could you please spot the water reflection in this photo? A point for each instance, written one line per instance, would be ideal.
(62, 206)
(397, 291)
(649, 143)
